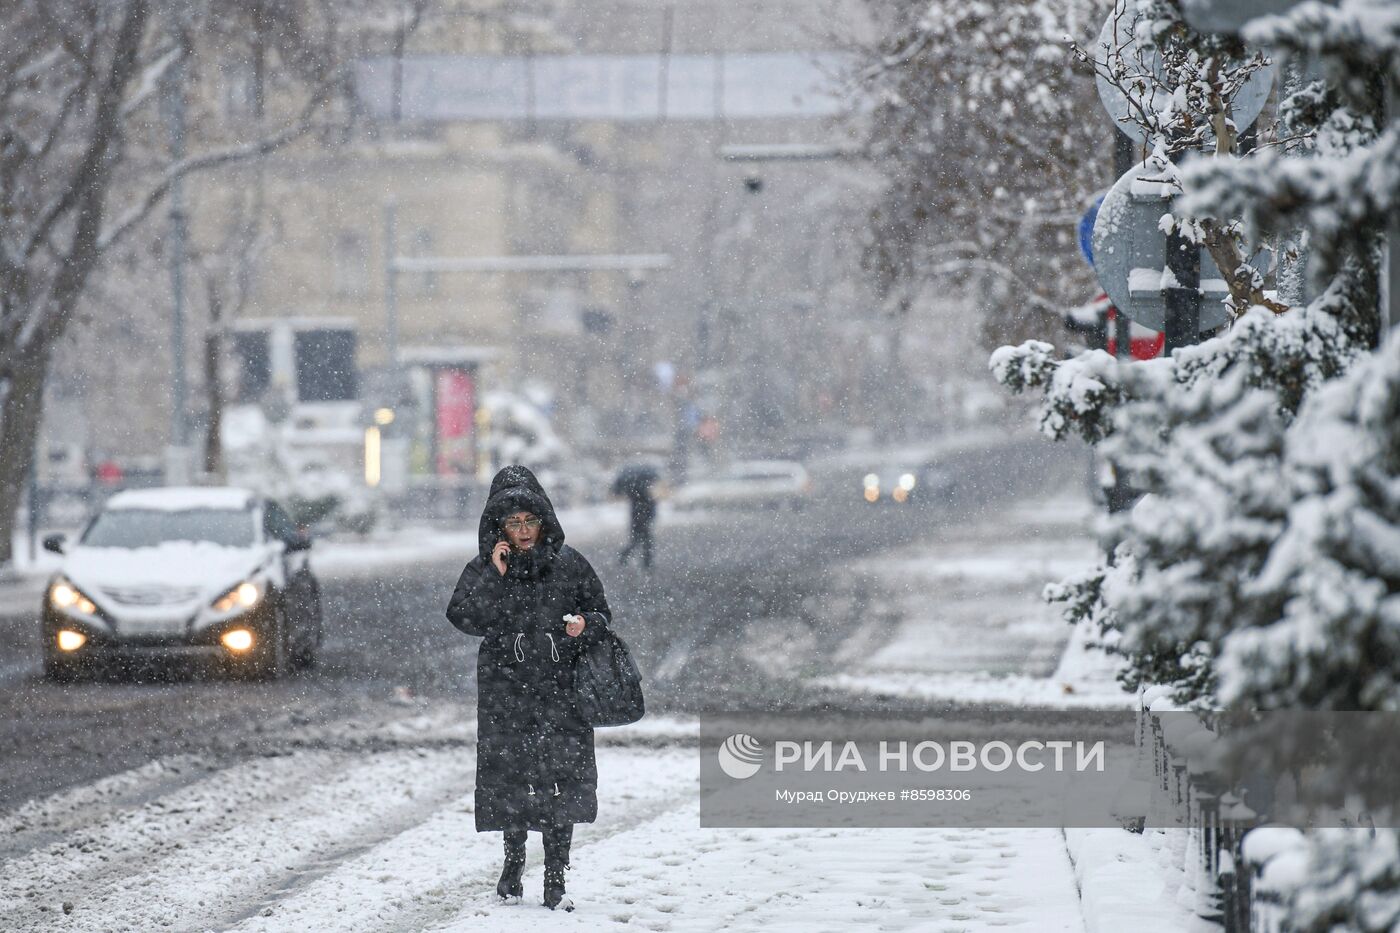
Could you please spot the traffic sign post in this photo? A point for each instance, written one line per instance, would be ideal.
(1182, 300)
(1151, 272)
(1139, 269)
(1122, 323)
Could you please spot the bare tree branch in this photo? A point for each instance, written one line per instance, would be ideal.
(209, 160)
(151, 77)
(91, 176)
(951, 266)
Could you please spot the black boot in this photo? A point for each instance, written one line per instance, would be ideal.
(510, 887)
(556, 858)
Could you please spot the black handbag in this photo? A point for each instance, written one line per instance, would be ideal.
(607, 684)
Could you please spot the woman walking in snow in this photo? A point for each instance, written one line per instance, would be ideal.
(536, 603)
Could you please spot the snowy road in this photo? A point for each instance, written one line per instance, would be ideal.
(341, 798)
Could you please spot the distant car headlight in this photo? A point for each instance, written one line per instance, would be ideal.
(243, 596)
(872, 487)
(66, 597)
(906, 482)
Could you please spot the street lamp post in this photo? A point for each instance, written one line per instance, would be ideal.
(173, 99)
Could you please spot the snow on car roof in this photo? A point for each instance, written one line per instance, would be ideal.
(183, 498)
(766, 464)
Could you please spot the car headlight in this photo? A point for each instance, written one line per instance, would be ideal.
(906, 482)
(64, 596)
(243, 596)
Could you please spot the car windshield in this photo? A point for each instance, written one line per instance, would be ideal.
(132, 528)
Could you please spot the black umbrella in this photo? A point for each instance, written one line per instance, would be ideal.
(635, 478)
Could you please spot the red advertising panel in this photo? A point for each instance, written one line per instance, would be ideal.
(456, 421)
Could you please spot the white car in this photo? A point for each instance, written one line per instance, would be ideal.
(780, 483)
(215, 572)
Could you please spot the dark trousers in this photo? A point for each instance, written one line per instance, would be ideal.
(557, 841)
(641, 537)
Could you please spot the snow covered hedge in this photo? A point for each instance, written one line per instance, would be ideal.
(1209, 564)
(1261, 569)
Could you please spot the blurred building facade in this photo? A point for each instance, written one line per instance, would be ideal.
(565, 128)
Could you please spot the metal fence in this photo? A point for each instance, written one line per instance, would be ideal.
(1229, 883)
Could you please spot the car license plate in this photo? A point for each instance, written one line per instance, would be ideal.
(151, 627)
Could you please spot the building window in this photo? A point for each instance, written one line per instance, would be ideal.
(325, 361)
(350, 265)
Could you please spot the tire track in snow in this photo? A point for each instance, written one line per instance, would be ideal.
(194, 859)
(43, 822)
(428, 874)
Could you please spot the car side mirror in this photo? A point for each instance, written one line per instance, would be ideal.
(54, 543)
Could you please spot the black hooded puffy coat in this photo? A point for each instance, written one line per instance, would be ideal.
(534, 765)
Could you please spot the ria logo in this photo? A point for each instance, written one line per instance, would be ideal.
(740, 756)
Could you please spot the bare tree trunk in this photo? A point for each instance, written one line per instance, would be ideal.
(21, 414)
(28, 362)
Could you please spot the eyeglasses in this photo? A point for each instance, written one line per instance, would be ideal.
(516, 524)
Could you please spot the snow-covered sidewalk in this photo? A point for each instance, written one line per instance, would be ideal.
(973, 630)
(972, 627)
(666, 874)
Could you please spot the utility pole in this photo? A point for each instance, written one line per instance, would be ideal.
(173, 98)
(663, 78)
(391, 284)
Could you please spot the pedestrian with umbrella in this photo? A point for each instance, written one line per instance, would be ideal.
(636, 484)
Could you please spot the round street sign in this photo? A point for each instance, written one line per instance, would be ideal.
(1130, 250)
(1086, 230)
(1118, 33)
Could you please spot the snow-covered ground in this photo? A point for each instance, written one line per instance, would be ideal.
(334, 840)
(973, 628)
(668, 875)
(366, 824)
(1134, 881)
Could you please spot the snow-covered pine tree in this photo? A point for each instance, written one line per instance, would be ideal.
(1202, 432)
(1268, 545)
